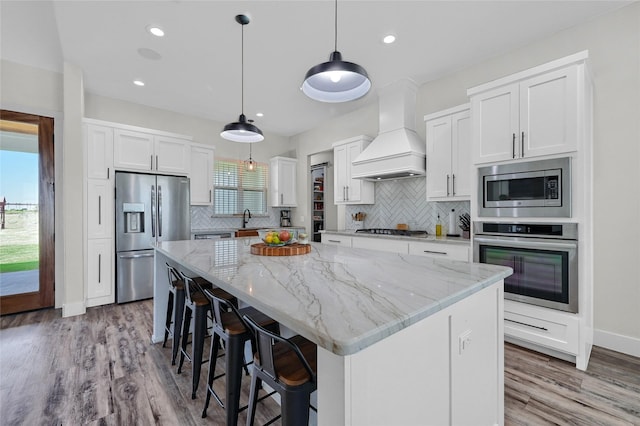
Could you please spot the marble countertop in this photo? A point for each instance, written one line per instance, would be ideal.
(342, 299)
(429, 238)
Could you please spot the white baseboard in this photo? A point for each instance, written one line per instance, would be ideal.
(73, 309)
(617, 342)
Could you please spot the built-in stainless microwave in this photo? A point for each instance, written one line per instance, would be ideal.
(526, 189)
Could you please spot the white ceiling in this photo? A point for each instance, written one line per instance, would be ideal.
(199, 72)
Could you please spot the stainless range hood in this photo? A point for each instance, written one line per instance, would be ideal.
(397, 152)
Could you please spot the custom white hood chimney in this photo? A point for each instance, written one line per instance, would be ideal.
(397, 152)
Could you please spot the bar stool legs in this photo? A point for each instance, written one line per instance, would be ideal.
(199, 313)
(175, 312)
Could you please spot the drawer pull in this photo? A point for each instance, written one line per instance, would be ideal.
(528, 325)
(335, 241)
(435, 252)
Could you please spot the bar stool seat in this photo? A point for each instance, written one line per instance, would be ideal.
(230, 328)
(198, 308)
(289, 366)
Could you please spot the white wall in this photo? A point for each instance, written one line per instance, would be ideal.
(613, 42)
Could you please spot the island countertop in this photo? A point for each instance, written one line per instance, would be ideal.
(342, 299)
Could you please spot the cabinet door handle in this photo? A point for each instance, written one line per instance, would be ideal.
(209, 195)
(281, 199)
(453, 185)
(447, 185)
(156, 162)
(99, 210)
(107, 172)
(522, 146)
(151, 161)
(435, 252)
(99, 268)
(347, 192)
(513, 146)
(344, 193)
(528, 325)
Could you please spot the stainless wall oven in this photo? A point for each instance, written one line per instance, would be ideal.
(543, 256)
(526, 189)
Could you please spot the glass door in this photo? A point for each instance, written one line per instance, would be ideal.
(27, 269)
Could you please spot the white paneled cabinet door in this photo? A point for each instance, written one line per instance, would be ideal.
(201, 176)
(346, 189)
(496, 124)
(461, 155)
(448, 154)
(100, 220)
(133, 150)
(549, 113)
(340, 171)
(439, 134)
(172, 155)
(100, 288)
(282, 181)
(99, 151)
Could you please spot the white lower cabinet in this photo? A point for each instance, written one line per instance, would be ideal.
(439, 250)
(381, 244)
(336, 240)
(100, 287)
(547, 327)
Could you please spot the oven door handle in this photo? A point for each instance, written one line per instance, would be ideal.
(527, 243)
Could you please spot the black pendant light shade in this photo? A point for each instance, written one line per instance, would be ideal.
(336, 80)
(242, 130)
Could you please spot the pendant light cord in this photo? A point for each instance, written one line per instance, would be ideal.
(242, 72)
(335, 38)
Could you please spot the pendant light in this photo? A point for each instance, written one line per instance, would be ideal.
(242, 130)
(336, 80)
(250, 165)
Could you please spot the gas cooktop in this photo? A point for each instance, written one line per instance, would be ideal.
(385, 231)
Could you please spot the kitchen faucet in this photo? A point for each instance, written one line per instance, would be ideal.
(245, 219)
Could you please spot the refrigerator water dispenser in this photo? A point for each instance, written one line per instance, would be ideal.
(133, 217)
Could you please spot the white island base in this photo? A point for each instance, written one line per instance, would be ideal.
(447, 369)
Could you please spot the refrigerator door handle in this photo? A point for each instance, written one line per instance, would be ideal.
(153, 211)
(159, 211)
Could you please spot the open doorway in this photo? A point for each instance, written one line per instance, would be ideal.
(27, 253)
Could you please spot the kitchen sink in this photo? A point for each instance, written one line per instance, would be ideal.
(246, 232)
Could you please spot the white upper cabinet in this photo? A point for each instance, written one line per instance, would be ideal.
(99, 145)
(531, 117)
(346, 189)
(282, 182)
(141, 151)
(449, 154)
(201, 175)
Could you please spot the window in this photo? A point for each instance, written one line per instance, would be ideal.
(236, 189)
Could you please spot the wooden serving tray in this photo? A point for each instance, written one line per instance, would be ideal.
(294, 249)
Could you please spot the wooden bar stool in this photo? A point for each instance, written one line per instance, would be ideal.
(229, 327)
(198, 308)
(175, 312)
(289, 366)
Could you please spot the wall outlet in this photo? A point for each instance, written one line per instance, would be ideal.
(301, 219)
(464, 341)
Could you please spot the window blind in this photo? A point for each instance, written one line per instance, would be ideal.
(236, 189)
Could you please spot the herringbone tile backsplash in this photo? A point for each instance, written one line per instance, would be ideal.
(404, 201)
(397, 201)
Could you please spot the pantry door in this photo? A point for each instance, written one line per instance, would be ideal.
(27, 254)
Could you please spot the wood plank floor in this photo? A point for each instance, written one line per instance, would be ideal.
(101, 369)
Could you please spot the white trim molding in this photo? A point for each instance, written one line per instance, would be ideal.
(617, 342)
(73, 309)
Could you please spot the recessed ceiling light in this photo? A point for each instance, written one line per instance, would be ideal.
(259, 114)
(138, 83)
(388, 39)
(156, 31)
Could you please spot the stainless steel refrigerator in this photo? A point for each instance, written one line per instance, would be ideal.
(149, 208)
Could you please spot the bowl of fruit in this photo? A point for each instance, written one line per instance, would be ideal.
(278, 237)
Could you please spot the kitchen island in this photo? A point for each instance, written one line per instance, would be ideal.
(402, 339)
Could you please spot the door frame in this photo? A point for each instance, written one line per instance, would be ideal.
(44, 297)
